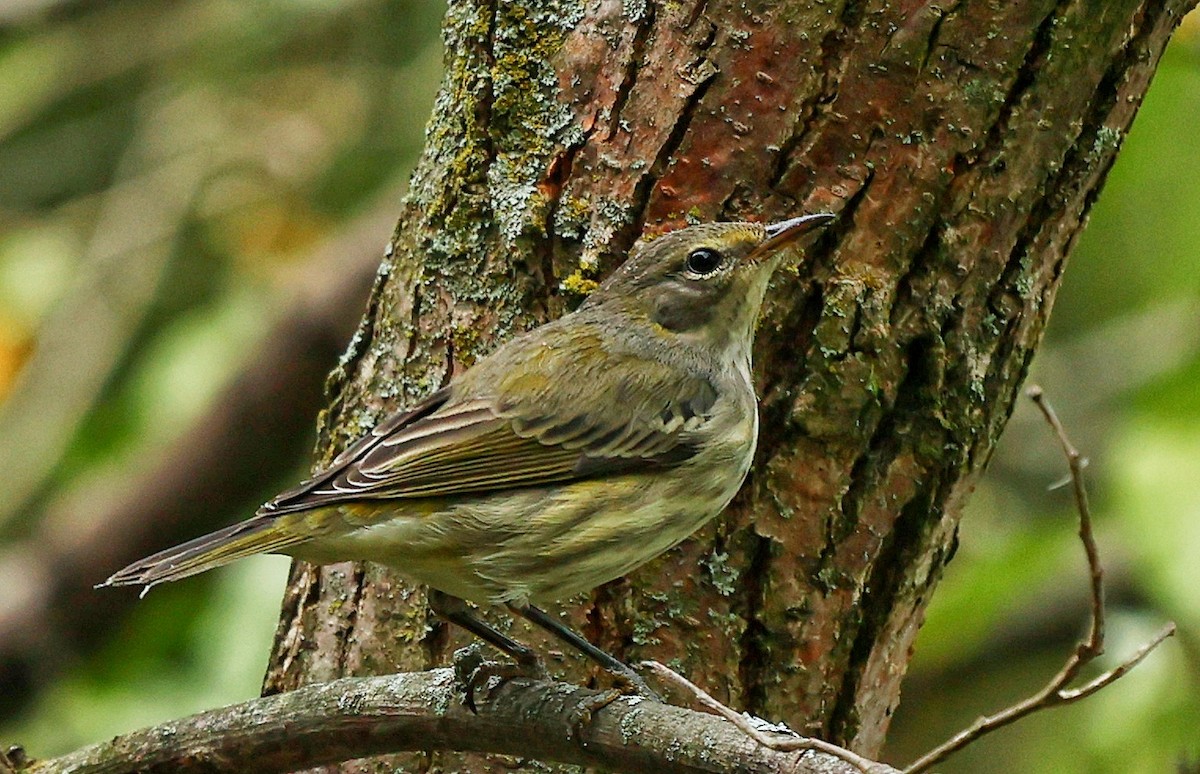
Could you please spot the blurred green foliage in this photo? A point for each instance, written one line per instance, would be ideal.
(184, 159)
(277, 121)
(183, 650)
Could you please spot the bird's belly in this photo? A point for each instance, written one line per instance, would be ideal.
(537, 544)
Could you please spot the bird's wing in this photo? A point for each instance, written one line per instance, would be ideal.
(539, 413)
(554, 419)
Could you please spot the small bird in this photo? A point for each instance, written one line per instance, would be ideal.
(566, 458)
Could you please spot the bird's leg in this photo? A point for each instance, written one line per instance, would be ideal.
(628, 679)
(456, 611)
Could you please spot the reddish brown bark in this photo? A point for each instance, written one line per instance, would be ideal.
(962, 145)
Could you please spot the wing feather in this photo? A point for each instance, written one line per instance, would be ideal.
(507, 426)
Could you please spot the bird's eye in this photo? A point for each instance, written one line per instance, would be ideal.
(703, 261)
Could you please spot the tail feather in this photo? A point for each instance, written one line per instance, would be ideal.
(259, 535)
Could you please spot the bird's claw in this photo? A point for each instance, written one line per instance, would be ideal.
(626, 682)
(473, 671)
(584, 709)
(630, 683)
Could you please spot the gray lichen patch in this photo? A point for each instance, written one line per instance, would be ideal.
(608, 215)
(498, 122)
(530, 120)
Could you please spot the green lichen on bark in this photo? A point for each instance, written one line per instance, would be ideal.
(498, 118)
(474, 210)
(530, 121)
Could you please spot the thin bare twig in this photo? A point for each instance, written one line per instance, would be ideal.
(1056, 692)
(774, 737)
(1075, 462)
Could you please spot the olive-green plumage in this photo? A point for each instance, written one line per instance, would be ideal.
(566, 458)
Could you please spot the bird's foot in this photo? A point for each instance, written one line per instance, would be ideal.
(473, 672)
(630, 683)
(626, 682)
(586, 708)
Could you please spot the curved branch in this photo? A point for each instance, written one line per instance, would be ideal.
(361, 717)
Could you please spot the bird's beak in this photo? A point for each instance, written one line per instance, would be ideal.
(783, 232)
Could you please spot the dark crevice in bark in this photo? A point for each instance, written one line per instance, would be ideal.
(624, 238)
(878, 595)
(1043, 37)
(483, 108)
(549, 248)
(857, 322)
(844, 224)
(697, 11)
(831, 62)
(726, 209)
(593, 619)
(755, 656)
(1000, 379)
(436, 641)
(448, 366)
(595, 629)
(633, 67)
(873, 461)
(1047, 210)
(478, 129)
(788, 147)
(834, 46)
(414, 322)
(889, 570)
(1095, 140)
(999, 390)
(905, 302)
(935, 30)
(298, 597)
(339, 377)
(357, 577)
(775, 404)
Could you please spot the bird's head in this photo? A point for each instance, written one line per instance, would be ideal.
(706, 282)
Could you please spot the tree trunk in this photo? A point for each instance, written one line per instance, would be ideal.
(962, 144)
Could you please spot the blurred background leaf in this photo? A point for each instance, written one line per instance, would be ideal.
(182, 181)
(181, 185)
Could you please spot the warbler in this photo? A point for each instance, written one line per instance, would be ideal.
(569, 456)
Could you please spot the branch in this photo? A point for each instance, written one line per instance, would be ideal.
(361, 717)
(775, 736)
(1057, 692)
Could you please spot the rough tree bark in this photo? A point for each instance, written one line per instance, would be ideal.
(961, 142)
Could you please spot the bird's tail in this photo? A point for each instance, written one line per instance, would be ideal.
(259, 535)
